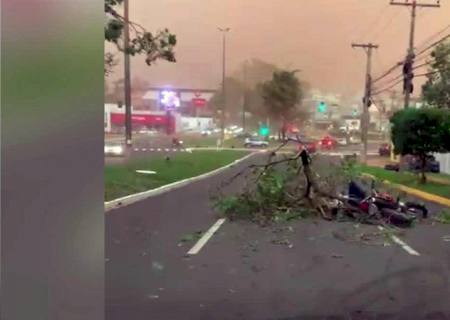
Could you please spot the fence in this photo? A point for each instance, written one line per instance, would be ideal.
(444, 160)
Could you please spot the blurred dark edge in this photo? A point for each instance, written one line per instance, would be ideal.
(52, 215)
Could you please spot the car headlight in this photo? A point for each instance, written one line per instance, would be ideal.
(117, 150)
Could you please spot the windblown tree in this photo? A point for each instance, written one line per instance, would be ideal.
(436, 91)
(281, 96)
(155, 46)
(234, 94)
(420, 132)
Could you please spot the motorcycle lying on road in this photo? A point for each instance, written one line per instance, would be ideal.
(374, 205)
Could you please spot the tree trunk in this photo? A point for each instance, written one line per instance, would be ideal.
(423, 161)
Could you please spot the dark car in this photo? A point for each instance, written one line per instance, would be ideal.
(385, 150)
(414, 164)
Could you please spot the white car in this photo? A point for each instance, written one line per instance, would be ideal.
(355, 140)
(341, 141)
(114, 150)
(255, 142)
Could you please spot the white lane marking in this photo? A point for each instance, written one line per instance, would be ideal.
(402, 244)
(174, 150)
(146, 171)
(159, 149)
(144, 149)
(152, 149)
(136, 149)
(203, 240)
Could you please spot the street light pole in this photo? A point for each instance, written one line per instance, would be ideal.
(127, 81)
(222, 116)
(244, 104)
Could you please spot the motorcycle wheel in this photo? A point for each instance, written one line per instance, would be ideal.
(416, 209)
(397, 218)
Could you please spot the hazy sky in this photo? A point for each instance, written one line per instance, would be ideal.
(312, 35)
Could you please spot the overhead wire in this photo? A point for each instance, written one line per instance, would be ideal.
(371, 25)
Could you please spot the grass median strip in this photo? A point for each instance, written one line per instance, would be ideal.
(122, 179)
(408, 180)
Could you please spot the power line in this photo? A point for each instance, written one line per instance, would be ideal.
(425, 42)
(433, 45)
(387, 88)
(419, 75)
(388, 72)
(380, 30)
(400, 63)
(374, 21)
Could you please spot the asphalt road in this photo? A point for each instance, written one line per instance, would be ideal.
(318, 272)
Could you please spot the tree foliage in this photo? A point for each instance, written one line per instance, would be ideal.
(234, 94)
(436, 91)
(420, 132)
(282, 95)
(155, 46)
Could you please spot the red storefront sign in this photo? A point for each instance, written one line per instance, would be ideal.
(198, 102)
(143, 119)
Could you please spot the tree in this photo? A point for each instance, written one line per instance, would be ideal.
(436, 91)
(155, 46)
(234, 91)
(420, 132)
(281, 96)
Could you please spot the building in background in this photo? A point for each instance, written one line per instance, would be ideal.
(165, 110)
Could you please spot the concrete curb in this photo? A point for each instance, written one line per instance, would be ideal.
(127, 200)
(415, 192)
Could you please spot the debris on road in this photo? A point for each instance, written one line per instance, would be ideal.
(284, 242)
(157, 266)
(446, 238)
(337, 256)
(190, 237)
(153, 296)
(277, 192)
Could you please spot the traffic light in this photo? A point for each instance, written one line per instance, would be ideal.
(322, 107)
(264, 130)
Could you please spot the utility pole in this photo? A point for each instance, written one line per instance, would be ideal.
(224, 102)
(408, 87)
(244, 104)
(367, 96)
(127, 81)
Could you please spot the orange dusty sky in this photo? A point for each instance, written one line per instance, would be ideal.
(312, 35)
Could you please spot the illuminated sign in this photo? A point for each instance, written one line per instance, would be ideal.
(170, 99)
(199, 102)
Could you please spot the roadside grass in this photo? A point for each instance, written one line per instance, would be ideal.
(406, 179)
(122, 179)
(443, 217)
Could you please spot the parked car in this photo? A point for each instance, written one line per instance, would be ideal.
(414, 164)
(384, 150)
(255, 142)
(114, 150)
(355, 139)
(210, 131)
(328, 143)
(342, 141)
